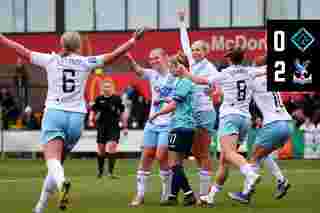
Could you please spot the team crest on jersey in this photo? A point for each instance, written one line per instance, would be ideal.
(165, 91)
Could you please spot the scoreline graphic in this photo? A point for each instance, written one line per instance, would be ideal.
(293, 55)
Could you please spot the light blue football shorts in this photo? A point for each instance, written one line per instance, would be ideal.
(155, 135)
(205, 120)
(62, 124)
(274, 134)
(234, 124)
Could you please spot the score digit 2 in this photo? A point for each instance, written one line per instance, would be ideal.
(279, 45)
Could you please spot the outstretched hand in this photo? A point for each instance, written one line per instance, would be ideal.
(139, 33)
(181, 15)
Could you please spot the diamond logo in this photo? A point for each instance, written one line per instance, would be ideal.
(302, 39)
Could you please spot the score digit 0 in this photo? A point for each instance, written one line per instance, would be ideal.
(279, 47)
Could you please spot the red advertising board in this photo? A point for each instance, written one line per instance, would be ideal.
(219, 39)
(121, 81)
(95, 43)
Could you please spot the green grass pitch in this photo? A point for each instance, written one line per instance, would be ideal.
(21, 181)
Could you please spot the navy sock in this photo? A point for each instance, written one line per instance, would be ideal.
(176, 181)
(179, 181)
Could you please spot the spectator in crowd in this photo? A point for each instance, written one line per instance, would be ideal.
(298, 115)
(21, 80)
(127, 101)
(29, 121)
(10, 110)
(138, 111)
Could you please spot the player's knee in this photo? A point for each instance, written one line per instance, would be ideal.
(162, 156)
(203, 156)
(54, 149)
(101, 149)
(162, 153)
(149, 154)
(112, 147)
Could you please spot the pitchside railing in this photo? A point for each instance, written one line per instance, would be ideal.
(24, 141)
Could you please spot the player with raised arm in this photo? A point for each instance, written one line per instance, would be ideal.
(65, 107)
(234, 119)
(181, 134)
(155, 139)
(109, 112)
(275, 132)
(204, 113)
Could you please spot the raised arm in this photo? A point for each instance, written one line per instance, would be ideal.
(196, 79)
(110, 57)
(139, 70)
(184, 38)
(18, 48)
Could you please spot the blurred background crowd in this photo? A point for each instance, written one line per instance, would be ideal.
(17, 113)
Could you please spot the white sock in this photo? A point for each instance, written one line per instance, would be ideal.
(170, 181)
(247, 170)
(48, 188)
(56, 170)
(142, 182)
(216, 188)
(274, 168)
(246, 187)
(204, 181)
(166, 184)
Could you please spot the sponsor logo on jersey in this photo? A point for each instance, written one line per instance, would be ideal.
(68, 61)
(92, 60)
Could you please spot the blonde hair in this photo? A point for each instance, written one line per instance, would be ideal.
(159, 51)
(203, 45)
(71, 41)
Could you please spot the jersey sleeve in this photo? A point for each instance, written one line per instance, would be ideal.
(256, 72)
(148, 74)
(216, 78)
(184, 86)
(94, 61)
(212, 69)
(40, 59)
